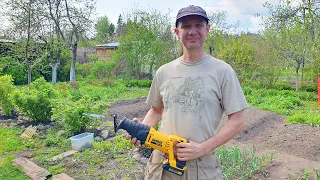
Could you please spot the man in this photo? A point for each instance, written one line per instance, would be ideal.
(190, 94)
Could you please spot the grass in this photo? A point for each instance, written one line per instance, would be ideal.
(9, 144)
(109, 159)
(307, 174)
(241, 164)
(301, 107)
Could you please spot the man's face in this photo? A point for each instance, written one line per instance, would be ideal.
(192, 31)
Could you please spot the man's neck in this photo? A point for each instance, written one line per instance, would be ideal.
(194, 55)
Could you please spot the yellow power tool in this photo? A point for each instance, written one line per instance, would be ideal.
(157, 140)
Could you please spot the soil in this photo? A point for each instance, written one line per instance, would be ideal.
(294, 146)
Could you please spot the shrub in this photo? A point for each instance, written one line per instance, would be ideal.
(13, 67)
(5, 89)
(71, 114)
(84, 69)
(34, 101)
(309, 87)
(103, 69)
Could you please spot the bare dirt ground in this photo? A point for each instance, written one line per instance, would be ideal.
(294, 146)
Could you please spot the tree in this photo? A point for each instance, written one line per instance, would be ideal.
(146, 45)
(78, 15)
(105, 30)
(119, 28)
(296, 26)
(26, 20)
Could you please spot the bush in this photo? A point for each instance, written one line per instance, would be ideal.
(283, 86)
(309, 87)
(71, 114)
(13, 67)
(5, 89)
(34, 101)
(84, 69)
(103, 69)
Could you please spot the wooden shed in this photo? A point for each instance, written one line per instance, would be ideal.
(103, 50)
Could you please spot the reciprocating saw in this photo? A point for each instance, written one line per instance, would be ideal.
(154, 139)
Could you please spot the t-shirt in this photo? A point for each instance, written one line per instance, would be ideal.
(194, 97)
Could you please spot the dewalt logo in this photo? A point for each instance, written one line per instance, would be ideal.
(156, 142)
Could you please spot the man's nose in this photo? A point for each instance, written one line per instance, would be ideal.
(192, 31)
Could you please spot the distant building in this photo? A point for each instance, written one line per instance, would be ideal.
(83, 54)
(103, 50)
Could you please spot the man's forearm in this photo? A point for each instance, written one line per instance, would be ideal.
(153, 116)
(234, 125)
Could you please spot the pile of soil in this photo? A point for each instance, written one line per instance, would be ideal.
(294, 146)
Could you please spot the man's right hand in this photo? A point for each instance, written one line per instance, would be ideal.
(134, 140)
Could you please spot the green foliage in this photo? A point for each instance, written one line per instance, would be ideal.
(12, 66)
(307, 118)
(84, 70)
(5, 89)
(9, 140)
(71, 114)
(10, 172)
(145, 45)
(234, 50)
(286, 102)
(93, 57)
(240, 164)
(34, 101)
(57, 169)
(309, 87)
(105, 29)
(306, 174)
(10, 143)
(103, 69)
(137, 83)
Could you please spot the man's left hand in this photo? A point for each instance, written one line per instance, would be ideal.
(189, 151)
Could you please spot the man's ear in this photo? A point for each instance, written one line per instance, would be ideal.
(176, 31)
(208, 29)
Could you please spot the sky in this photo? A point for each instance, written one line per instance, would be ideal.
(237, 10)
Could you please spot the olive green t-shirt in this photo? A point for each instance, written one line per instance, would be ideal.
(194, 97)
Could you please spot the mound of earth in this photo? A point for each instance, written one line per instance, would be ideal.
(294, 146)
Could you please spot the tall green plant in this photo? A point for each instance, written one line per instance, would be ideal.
(6, 88)
(34, 101)
(70, 114)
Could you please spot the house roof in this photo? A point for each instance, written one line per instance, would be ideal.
(8, 41)
(109, 45)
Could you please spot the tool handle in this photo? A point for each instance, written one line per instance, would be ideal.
(135, 129)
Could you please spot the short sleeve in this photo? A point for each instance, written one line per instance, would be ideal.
(154, 97)
(233, 99)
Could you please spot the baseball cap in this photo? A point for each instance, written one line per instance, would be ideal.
(191, 10)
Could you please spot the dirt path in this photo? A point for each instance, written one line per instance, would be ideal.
(294, 146)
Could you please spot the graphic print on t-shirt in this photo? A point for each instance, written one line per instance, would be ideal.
(189, 95)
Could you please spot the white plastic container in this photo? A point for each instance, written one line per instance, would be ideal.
(81, 141)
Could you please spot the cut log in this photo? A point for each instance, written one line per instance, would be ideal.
(63, 155)
(31, 169)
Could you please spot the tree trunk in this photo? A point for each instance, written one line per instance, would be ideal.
(73, 64)
(297, 78)
(150, 71)
(54, 73)
(29, 73)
